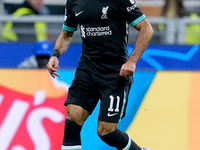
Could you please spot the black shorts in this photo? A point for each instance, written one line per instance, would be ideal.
(86, 93)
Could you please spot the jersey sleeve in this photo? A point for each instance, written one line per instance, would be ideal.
(132, 13)
(70, 22)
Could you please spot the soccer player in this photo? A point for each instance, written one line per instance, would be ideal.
(105, 71)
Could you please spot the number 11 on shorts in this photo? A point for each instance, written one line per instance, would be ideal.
(111, 109)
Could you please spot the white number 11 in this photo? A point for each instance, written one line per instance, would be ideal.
(112, 103)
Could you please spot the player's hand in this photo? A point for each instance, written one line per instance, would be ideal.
(127, 69)
(52, 66)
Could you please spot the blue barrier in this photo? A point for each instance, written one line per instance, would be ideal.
(156, 57)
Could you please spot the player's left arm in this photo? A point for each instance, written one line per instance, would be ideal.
(143, 39)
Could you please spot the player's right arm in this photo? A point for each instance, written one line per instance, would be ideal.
(63, 41)
(61, 45)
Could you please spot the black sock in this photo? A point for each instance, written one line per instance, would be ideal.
(72, 133)
(120, 140)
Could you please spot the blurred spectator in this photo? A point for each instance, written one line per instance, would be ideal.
(176, 9)
(41, 53)
(173, 9)
(192, 31)
(26, 32)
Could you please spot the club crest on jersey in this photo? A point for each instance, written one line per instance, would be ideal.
(104, 11)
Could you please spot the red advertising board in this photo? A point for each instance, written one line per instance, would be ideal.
(32, 113)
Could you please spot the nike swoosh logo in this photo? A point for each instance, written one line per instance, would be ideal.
(110, 115)
(76, 14)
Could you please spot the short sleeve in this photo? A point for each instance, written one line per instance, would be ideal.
(70, 22)
(132, 13)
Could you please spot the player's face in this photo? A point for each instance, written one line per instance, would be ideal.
(37, 4)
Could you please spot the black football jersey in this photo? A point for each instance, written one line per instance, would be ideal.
(104, 30)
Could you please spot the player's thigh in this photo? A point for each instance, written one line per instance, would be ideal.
(114, 101)
(81, 100)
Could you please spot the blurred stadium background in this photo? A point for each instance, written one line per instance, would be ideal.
(163, 111)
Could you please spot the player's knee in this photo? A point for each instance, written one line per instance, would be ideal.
(105, 128)
(103, 131)
(76, 114)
